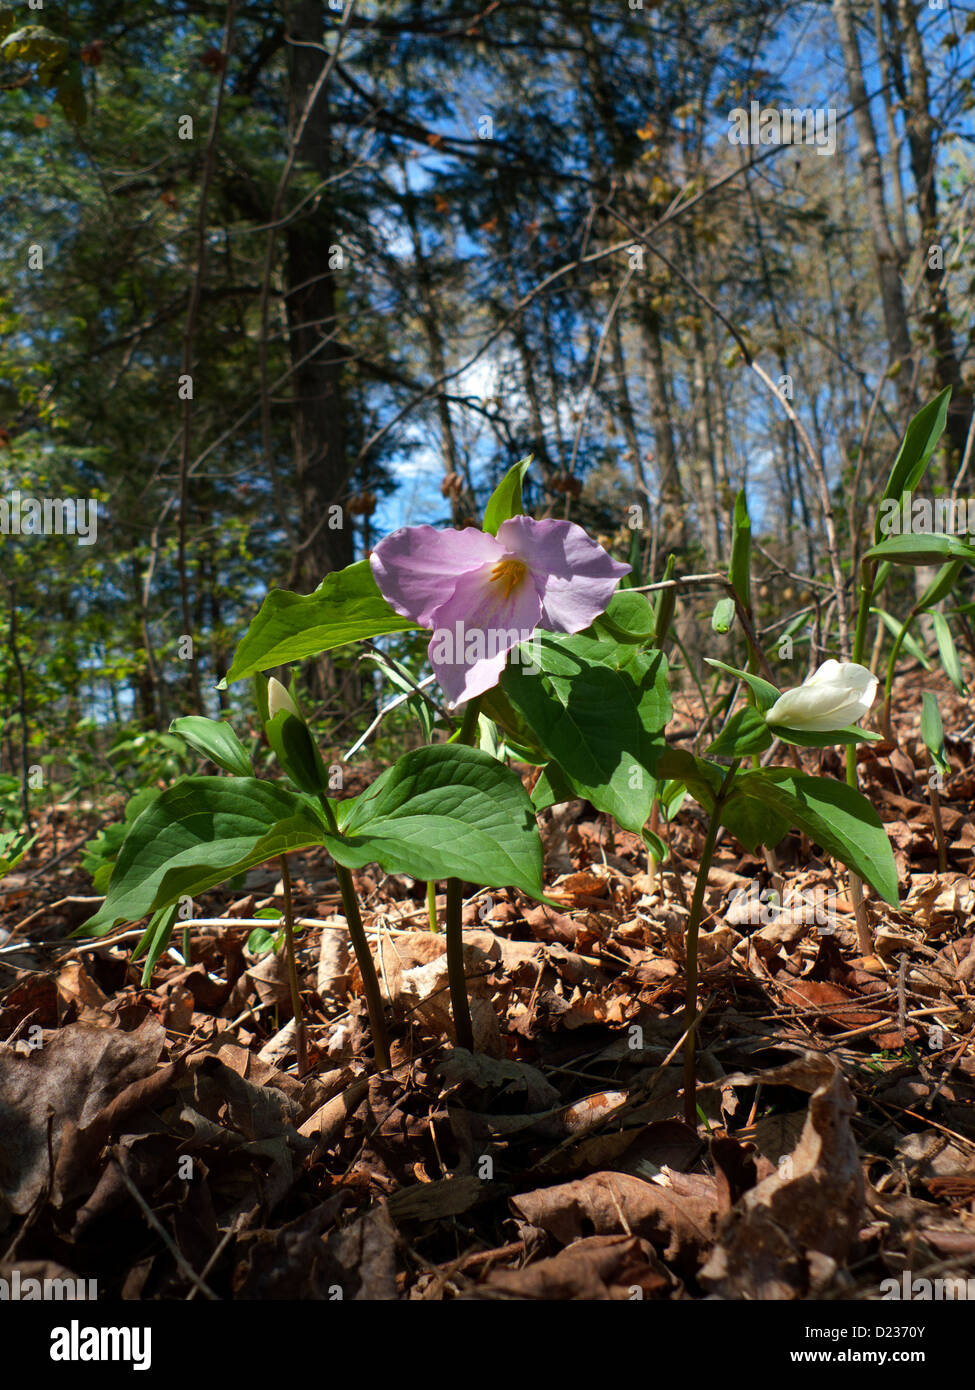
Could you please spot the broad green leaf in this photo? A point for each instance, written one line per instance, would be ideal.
(920, 440)
(598, 709)
(447, 811)
(754, 822)
(932, 731)
(814, 738)
(505, 501)
(216, 741)
(832, 814)
(346, 607)
(765, 693)
(928, 549)
(724, 615)
(199, 832)
(910, 643)
(745, 732)
(948, 653)
(628, 618)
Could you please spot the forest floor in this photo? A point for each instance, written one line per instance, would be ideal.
(159, 1140)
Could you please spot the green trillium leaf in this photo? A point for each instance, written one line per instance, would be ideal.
(446, 811)
(214, 740)
(198, 833)
(346, 607)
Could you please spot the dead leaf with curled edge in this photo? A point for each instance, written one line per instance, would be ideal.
(414, 975)
(786, 1237)
(937, 902)
(66, 1084)
(594, 1268)
(676, 1212)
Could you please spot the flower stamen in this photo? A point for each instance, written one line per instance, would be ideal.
(509, 573)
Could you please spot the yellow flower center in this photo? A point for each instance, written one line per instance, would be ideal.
(509, 574)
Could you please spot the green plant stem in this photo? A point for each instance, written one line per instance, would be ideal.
(357, 935)
(468, 727)
(187, 945)
(867, 573)
(693, 930)
(432, 905)
(301, 1042)
(456, 977)
(939, 832)
(453, 927)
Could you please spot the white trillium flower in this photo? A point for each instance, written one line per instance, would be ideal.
(278, 699)
(833, 697)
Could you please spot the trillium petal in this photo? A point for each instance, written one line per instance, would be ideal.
(417, 566)
(474, 629)
(574, 576)
(836, 695)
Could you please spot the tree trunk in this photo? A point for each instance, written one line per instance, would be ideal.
(325, 539)
(924, 162)
(885, 253)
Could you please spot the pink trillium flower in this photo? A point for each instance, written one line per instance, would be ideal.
(483, 595)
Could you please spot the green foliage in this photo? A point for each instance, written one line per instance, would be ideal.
(832, 814)
(505, 501)
(930, 549)
(948, 652)
(598, 709)
(346, 607)
(919, 443)
(447, 811)
(932, 732)
(14, 844)
(214, 740)
(198, 833)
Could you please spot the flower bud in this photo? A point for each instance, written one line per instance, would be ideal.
(833, 697)
(278, 699)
